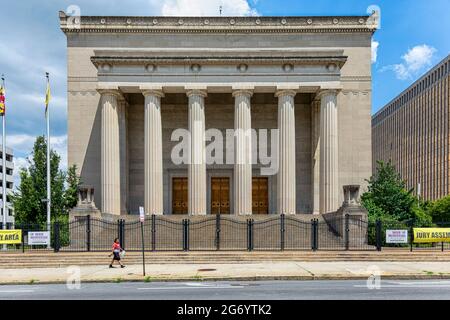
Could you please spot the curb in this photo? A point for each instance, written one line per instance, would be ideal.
(231, 278)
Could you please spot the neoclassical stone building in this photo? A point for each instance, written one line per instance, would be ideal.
(133, 81)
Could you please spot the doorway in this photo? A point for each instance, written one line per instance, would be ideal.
(220, 195)
(260, 195)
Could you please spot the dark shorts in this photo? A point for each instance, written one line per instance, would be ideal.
(116, 256)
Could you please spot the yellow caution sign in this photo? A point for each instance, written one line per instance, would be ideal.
(10, 236)
(427, 235)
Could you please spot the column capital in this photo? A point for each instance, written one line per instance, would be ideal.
(110, 91)
(325, 92)
(285, 92)
(242, 92)
(196, 92)
(153, 92)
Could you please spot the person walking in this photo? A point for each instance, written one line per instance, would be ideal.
(116, 250)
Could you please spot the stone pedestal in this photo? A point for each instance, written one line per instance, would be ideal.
(85, 205)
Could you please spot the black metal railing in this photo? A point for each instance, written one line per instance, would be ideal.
(224, 232)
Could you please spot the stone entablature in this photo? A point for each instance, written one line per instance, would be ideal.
(219, 24)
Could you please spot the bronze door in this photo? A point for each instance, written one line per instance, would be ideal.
(179, 195)
(220, 195)
(260, 195)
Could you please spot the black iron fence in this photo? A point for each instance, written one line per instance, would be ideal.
(221, 232)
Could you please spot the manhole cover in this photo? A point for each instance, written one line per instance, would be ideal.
(206, 270)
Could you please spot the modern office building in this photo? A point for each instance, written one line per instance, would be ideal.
(136, 84)
(9, 184)
(413, 131)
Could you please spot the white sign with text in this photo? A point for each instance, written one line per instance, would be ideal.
(38, 237)
(396, 236)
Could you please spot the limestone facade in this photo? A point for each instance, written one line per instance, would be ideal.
(133, 81)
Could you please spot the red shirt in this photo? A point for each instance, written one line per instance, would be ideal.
(116, 246)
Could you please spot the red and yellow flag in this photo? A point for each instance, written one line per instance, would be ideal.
(2, 101)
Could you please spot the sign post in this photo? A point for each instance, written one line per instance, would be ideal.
(142, 219)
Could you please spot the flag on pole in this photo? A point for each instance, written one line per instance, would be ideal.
(2, 101)
(47, 96)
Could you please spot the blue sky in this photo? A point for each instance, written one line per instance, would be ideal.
(412, 38)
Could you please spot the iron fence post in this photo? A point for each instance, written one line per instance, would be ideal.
(23, 239)
(121, 235)
(217, 231)
(249, 234)
(314, 234)
(411, 235)
(153, 231)
(56, 240)
(347, 232)
(187, 234)
(378, 231)
(282, 217)
(88, 232)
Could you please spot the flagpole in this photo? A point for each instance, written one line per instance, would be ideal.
(47, 114)
(4, 198)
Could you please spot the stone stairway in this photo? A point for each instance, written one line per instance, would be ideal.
(45, 259)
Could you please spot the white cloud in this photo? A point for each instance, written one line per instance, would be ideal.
(414, 61)
(203, 7)
(419, 57)
(375, 45)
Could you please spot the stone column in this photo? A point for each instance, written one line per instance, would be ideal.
(197, 161)
(315, 155)
(153, 169)
(110, 152)
(123, 146)
(286, 202)
(329, 174)
(243, 153)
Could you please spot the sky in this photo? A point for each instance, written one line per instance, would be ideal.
(413, 37)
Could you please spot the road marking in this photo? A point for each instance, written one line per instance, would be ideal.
(190, 288)
(407, 286)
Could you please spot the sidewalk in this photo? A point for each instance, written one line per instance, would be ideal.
(242, 271)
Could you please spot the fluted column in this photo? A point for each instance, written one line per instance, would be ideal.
(243, 153)
(328, 151)
(110, 152)
(153, 169)
(197, 163)
(315, 155)
(123, 146)
(286, 202)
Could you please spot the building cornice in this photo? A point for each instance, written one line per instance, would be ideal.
(117, 60)
(156, 24)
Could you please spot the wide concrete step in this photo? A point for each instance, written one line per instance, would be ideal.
(48, 259)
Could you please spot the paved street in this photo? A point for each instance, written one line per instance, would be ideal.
(245, 290)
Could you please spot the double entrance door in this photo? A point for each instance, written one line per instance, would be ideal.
(220, 195)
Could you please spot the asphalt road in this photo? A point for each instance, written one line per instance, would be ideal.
(230, 290)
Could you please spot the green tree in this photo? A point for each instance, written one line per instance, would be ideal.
(440, 210)
(388, 199)
(27, 200)
(387, 194)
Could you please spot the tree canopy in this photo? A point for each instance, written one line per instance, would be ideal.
(29, 198)
(388, 199)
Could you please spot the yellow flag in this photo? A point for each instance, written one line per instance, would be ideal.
(48, 96)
